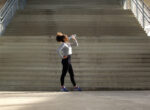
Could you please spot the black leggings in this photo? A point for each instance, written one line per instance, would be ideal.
(67, 67)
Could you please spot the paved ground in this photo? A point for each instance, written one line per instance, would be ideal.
(102, 100)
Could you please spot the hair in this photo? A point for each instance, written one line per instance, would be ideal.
(60, 37)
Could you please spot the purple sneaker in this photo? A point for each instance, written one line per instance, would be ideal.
(63, 89)
(77, 88)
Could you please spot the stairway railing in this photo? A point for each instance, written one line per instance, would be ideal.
(142, 13)
(6, 13)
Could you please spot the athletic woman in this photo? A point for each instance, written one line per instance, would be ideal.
(65, 51)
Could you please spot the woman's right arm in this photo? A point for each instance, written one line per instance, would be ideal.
(75, 42)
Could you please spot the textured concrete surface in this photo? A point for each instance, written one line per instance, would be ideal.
(85, 18)
(147, 2)
(2, 2)
(102, 100)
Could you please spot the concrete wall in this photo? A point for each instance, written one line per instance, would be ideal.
(2, 2)
(147, 2)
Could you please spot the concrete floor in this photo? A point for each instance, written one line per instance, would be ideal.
(100, 100)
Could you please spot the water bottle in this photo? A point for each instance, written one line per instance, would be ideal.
(72, 35)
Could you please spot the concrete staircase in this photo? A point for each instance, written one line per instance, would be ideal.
(113, 52)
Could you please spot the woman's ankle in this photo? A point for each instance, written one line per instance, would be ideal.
(75, 86)
(62, 86)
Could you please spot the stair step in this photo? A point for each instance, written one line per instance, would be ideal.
(79, 74)
(75, 10)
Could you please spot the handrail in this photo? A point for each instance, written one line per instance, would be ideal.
(145, 5)
(6, 9)
(6, 3)
(2, 10)
(6, 13)
(142, 13)
(140, 8)
(148, 9)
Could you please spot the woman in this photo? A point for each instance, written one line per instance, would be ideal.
(65, 51)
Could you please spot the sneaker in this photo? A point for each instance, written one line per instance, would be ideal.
(63, 89)
(77, 89)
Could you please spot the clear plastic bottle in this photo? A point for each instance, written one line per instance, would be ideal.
(70, 37)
